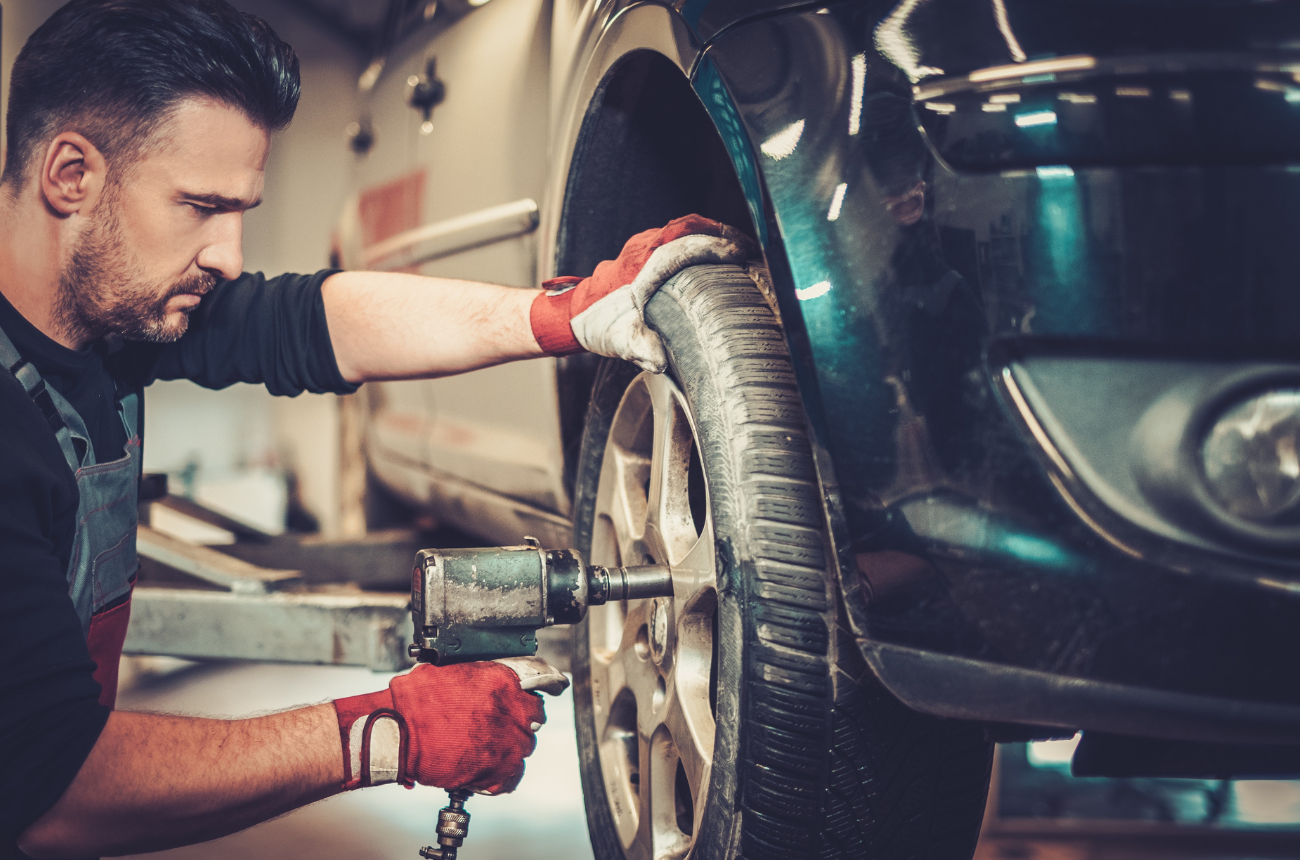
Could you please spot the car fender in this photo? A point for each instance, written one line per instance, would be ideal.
(787, 176)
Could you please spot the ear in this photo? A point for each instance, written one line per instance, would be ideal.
(72, 174)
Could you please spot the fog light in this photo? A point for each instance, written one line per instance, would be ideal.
(1251, 457)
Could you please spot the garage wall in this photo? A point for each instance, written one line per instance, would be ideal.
(237, 443)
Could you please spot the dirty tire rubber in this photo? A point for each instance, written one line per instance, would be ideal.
(812, 757)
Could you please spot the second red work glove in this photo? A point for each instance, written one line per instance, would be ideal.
(466, 726)
(605, 313)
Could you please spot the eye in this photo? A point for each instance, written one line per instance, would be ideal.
(202, 210)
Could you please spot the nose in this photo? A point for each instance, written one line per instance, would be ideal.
(224, 254)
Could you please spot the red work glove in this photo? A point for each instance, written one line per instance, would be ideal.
(468, 726)
(605, 313)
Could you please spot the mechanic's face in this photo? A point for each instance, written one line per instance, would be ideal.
(169, 228)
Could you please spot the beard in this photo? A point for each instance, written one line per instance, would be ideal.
(103, 290)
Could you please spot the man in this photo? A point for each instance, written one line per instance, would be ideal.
(138, 135)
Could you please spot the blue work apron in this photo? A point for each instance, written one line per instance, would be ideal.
(102, 568)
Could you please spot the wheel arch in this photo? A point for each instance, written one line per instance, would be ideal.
(646, 152)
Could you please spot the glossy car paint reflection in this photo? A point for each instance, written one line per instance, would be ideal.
(905, 285)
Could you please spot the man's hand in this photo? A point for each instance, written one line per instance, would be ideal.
(605, 313)
(466, 726)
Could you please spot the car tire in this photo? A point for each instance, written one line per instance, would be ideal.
(809, 756)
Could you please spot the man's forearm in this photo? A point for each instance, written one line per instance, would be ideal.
(394, 326)
(155, 781)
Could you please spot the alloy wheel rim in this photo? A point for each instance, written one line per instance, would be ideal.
(654, 662)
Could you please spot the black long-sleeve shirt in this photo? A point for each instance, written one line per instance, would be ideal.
(251, 329)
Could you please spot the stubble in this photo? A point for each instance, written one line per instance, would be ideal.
(102, 290)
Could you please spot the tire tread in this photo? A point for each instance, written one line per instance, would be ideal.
(788, 604)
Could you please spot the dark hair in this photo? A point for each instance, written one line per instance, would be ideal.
(112, 70)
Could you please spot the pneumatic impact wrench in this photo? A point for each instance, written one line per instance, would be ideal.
(483, 604)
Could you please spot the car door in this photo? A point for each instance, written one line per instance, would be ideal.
(449, 187)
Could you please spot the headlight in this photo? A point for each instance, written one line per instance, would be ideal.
(1251, 457)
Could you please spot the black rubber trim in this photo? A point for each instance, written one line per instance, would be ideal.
(965, 689)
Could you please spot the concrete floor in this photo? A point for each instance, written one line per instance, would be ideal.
(542, 820)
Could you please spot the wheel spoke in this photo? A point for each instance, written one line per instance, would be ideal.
(624, 488)
(608, 679)
(638, 670)
(698, 568)
(670, 812)
(692, 731)
(668, 511)
(617, 740)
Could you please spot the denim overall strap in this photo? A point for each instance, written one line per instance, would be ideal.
(102, 566)
(30, 379)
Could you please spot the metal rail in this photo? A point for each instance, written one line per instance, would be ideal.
(332, 624)
(199, 603)
(444, 238)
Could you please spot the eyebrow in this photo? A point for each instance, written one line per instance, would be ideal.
(220, 201)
